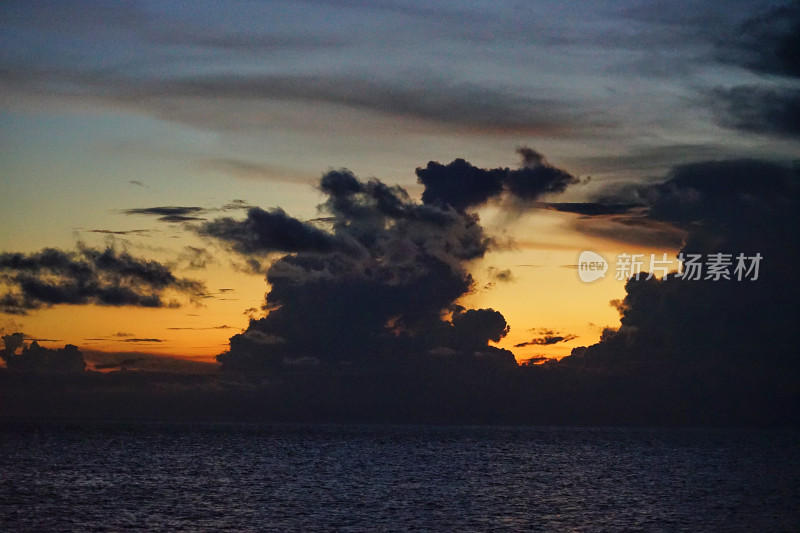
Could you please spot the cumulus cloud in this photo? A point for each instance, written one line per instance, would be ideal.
(537, 177)
(462, 185)
(34, 358)
(734, 207)
(87, 276)
(379, 281)
(736, 194)
(474, 327)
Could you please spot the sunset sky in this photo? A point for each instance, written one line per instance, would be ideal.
(113, 112)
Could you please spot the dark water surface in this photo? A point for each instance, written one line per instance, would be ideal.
(94, 476)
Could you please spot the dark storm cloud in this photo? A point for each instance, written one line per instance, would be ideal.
(733, 192)
(758, 109)
(378, 283)
(87, 276)
(377, 275)
(462, 185)
(732, 207)
(726, 192)
(724, 350)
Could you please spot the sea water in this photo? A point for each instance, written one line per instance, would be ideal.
(149, 476)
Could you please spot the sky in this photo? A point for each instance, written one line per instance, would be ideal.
(158, 160)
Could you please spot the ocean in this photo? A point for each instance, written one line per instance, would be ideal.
(158, 476)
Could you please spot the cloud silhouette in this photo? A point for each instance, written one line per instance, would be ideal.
(459, 184)
(593, 209)
(734, 207)
(379, 284)
(34, 358)
(170, 213)
(121, 232)
(87, 276)
(462, 185)
(547, 340)
(732, 193)
(267, 231)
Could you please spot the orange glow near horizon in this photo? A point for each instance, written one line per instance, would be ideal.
(544, 297)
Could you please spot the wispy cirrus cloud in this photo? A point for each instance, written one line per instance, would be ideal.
(250, 170)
